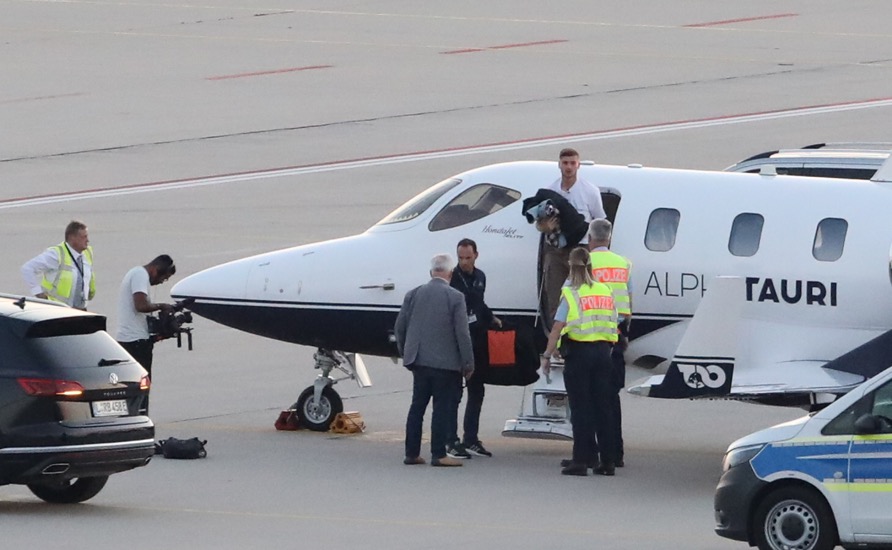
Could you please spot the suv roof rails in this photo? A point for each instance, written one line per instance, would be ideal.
(863, 145)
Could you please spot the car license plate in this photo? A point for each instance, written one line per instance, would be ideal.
(116, 407)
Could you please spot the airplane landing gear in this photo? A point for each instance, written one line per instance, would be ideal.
(318, 404)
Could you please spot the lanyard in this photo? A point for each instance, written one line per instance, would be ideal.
(76, 262)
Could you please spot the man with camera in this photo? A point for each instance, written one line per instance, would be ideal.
(134, 307)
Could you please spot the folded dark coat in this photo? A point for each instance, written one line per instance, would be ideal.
(573, 224)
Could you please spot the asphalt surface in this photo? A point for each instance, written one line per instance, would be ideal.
(325, 116)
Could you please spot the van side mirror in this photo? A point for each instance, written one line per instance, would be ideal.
(868, 424)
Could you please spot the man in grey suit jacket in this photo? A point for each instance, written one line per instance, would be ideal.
(433, 338)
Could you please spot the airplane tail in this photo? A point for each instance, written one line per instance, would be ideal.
(703, 364)
(792, 365)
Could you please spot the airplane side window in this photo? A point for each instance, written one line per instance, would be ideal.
(830, 239)
(746, 234)
(421, 202)
(662, 227)
(474, 203)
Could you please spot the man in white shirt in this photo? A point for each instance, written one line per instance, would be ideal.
(64, 272)
(585, 197)
(134, 306)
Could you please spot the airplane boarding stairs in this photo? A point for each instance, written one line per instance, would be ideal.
(544, 409)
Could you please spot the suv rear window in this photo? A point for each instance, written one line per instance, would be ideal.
(75, 351)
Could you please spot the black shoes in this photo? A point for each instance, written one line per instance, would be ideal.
(575, 469)
(571, 468)
(567, 462)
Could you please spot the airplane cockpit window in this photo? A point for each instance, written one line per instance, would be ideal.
(830, 239)
(746, 234)
(421, 202)
(471, 205)
(662, 227)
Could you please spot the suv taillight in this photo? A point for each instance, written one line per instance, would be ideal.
(145, 383)
(47, 387)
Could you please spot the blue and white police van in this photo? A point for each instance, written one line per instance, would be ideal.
(816, 482)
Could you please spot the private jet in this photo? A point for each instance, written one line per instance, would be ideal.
(760, 287)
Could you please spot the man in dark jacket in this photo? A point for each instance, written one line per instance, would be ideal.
(471, 282)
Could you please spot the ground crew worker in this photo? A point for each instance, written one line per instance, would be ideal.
(614, 271)
(64, 272)
(585, 322)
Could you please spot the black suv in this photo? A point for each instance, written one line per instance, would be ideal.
(72, 401)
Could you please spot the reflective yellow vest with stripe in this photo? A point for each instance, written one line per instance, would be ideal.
(59, 289)
(613, 270)
(591, 316)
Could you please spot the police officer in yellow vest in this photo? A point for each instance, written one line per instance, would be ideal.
(64, 272)
(586, 324)
(614, 271)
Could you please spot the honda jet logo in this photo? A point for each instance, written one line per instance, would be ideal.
(696, 377)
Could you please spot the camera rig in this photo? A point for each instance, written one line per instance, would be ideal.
(171, 324)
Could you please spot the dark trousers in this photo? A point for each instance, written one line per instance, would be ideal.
(590, 389)
(444, 386)
(141, 350)
(619, 382)
(475, 387)
(476, 391)
(555, 270)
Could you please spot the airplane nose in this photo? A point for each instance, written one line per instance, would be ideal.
(226, 281)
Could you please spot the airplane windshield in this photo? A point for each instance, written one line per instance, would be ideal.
(477, 202)
(420, 203)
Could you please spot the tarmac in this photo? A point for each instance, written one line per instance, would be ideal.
(222, 129)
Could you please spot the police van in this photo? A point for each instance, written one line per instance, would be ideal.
(816, 482)
(823, 160)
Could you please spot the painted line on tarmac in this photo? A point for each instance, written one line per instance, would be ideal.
(265, 73)
(741, 20)
(505, 46)
(498, 147)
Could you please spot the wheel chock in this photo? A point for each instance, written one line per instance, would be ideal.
(348, 423)
(288, 421)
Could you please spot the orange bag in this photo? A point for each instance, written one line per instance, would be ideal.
(501, 348)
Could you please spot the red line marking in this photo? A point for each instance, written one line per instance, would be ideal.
(449, 149)
(263, 73)
(505, 46)
(741, 20)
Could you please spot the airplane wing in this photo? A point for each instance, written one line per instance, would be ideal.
(733, 350)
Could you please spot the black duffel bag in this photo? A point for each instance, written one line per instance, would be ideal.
(513, 360)
(181, 448)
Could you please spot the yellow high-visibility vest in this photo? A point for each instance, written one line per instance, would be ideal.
(614, 270)
(59, 289)
(591, 316)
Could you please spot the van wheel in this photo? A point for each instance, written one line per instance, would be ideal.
(69, 491)
(794, 518)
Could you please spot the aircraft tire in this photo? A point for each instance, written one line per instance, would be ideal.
(794, 517)
(70, 491)
(319, 418)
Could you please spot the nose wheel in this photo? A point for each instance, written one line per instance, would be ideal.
(318, 416)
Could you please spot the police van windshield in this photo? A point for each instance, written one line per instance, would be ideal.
(420, 203)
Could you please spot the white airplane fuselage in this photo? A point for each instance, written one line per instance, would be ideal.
(344, 294)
